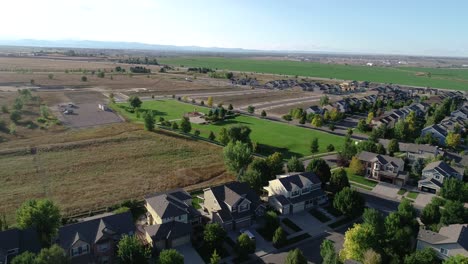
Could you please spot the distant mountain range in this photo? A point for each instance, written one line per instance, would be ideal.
(91, 44)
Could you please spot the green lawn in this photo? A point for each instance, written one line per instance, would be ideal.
(360, 179)
(402, 191)
(439, 78)
(271, 136)
(412, 195)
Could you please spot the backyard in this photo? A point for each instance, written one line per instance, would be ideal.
(272, 136)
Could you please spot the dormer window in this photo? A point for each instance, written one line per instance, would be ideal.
(295, 193)
(305, 190)
(244, 207)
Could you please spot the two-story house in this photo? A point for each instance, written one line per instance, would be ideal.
(450, 241)
(434, 174)
(437, 131)
(16, 241)
(384, 168)
(233, 205)
(295, 192)
(170, 219)
(420, 151)
(95, 240)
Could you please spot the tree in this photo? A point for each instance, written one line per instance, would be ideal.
(263, 114)
(453, 213)
(349, 202)
(356, 166)
(295, 165)
(41, 214)
(401, 130)
(370, 116)
(375, 221)
(328, 253)
(244, 246)
(53, 255)
(279, 238)
(131, 250)
(209, 101)
(393, 146)
(338, 180)
(15, 116)
(84, 78)
(257, 174)
(237, 156)
(271, 222)
(453, 189)
(101, 74)
(330, 148)
(24, 258)
(371, 257)
(362, 125)
(380, 149)
(367, 145)
(5, 109)
(174, 125)
(230, 107)
(295, 256)
(170, 256)
(314, 146)
(424, 256)
(324, 100)
(418, 166)
(18, 104)
(251, 109)
(223, 136)
(149, 121)
(240, 133)
(134, 101)
(430, 214)
(214, 235)
(275, 165)
(457, 259)
(317, 121)
(320, 168)
(215, 258)
(356, 242)
(453, 140)
(185, 125)
(211, 136)
(44, 111)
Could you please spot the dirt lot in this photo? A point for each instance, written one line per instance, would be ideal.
(89, 168)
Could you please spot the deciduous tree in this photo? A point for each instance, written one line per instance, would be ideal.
(328, 253)
(244, 246)
(237, 156)
(134, 101)
(338, 180)
(424, 256)
(314, 146)
(356, 166)
(349, 202)
(185, 125)
(453, 140)
(130, 250)
(393, 146)
(214, 235)
(295, 256)
(279, 237)
(295, 165)
(320, 168)
(170, 256)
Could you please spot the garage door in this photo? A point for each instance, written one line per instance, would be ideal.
(181, 241)
(243, 224)
(298, 208)
(429, 190)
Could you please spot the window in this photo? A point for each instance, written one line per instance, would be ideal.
(76, 251)
(103, 247)
(244, 207)
(444, 251)
(12, 251)
(295, 193)
(437, 177)
(306, 190)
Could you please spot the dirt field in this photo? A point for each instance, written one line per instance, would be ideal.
(91, 168)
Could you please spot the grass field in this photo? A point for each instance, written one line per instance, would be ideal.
(360, 179)
(273, 136)
(439, 78)
(82, 172)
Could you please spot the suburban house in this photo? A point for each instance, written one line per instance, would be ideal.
(434, 174)
(416, 151)
(437, 131)
(16, 241)
(314, 110)
(170, 218)
(342, 106)
(95, 240)
(450, 241)
(234, 205)
(295, 192)
(384, 168)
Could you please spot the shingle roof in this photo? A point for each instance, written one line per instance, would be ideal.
(456, 233)
(440, 129)
(91, 231)
(300, 180)
(383, 159)
(170, 230)
(442, 168)
(24, 240)
(169, 204)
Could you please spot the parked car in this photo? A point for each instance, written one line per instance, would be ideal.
(68, 112)
(248, 233)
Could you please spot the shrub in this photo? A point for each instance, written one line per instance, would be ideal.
(84, 78)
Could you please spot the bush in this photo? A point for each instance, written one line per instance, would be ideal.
(196, 132)
(15, 116)
(84, 78)
(330, 148)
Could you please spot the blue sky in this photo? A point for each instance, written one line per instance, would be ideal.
(396, 27)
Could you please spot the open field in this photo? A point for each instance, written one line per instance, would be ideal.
(273, 136)
(440, 78)
(91, 168)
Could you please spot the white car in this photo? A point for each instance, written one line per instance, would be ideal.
(248, 233)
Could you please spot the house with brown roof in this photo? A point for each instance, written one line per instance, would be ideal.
(170, 217)
(450, 241)
(95, 240)
(295, 192)
(384, 168)
(233, 205)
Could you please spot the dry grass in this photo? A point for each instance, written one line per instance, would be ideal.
(126, 163)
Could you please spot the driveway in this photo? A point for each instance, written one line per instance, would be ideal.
(308, 223)
(423, 199)
(263, 247)
(190, 254)
(386, 189)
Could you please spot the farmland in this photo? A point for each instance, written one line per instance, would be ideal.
(88, 169)
(438, 78)
(273, 136)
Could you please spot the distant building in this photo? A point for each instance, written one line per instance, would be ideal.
(436, 131)
(384, 168)
(450, 241)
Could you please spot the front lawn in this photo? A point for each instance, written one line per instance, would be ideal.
(360, 179)
(412, 195)
(402, 191)
(270, 135)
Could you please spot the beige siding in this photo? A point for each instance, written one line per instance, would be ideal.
(453, 249)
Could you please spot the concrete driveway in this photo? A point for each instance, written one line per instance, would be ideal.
(308, 223)
(263, 247)
(423, 199)
(190, 254)
(386, 189)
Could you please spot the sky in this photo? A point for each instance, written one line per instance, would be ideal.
(414, 27)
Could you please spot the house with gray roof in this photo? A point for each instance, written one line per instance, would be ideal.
(95, 241)
(170, 217)
(295, 192)
(450, 241)
(234, 205)
(416, 151)
(436, 131)
(434, 174)
(16, 241)
(384, 168)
